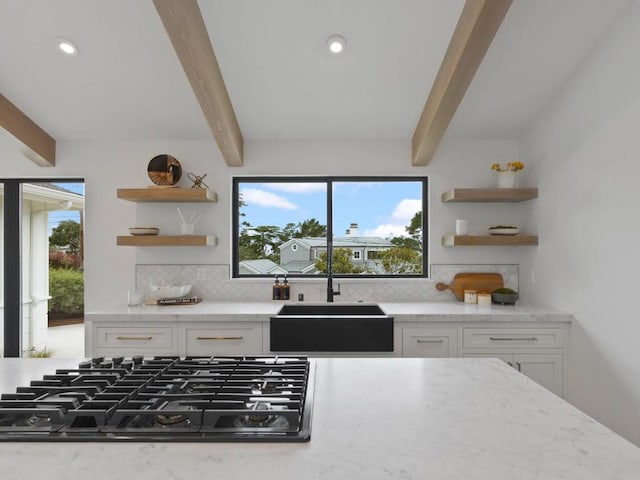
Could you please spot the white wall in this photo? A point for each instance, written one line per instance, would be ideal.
(586, 150)
(107, 166)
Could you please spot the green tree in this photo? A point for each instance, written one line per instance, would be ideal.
(289, 231)
(66, 234)
(259, 242)
(263, 241)
(341, 262)
(401, 260)
(311, 228)
(414, 229)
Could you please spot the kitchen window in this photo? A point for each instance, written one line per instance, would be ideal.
(366, 226)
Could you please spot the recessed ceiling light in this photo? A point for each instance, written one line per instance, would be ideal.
(66, 46)
(336, 44)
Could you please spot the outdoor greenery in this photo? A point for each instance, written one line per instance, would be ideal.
(263, 241)
(414, 229)
(66, 235)
(66, 287)
(66, 279)
(58, 259)
(401, 260)
(341, 262)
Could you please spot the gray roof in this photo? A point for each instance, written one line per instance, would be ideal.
(261, 265)
(361, 242)
(352, 242)
(297, 266)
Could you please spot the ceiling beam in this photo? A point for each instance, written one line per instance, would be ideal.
(188, 33)
(477, 25)
(41, 147)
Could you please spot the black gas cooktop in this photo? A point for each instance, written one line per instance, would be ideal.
(199, 399)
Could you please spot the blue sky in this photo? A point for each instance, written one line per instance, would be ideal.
(379, 208)
(58, 216)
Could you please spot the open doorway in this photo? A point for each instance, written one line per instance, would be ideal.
(43, 223)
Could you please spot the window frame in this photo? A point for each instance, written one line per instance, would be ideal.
(329, 180)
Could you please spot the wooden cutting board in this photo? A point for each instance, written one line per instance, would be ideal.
(482, 282)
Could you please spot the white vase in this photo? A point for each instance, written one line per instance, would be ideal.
(507, 179)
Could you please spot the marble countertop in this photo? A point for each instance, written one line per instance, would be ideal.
(401, 311)
(392, 418)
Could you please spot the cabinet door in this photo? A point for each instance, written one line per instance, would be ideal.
(134, 340)
(223, 340)
(429, 342)
(512, 338)
(545, 369)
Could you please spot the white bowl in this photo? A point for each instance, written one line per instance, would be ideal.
(504, 231)
(144, 230)
(178, 291)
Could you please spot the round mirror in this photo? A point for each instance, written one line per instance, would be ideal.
(164, 170)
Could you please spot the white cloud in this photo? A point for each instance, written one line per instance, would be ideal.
(405, 210)
(260, 198)
(292, 187)
(387, 230)
(400, 218)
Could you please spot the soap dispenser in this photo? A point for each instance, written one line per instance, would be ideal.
(285, 289)
(276, 290)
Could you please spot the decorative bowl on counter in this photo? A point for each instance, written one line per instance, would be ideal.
(157, 291)
(144, 230)
(504, 296)
(504, 230)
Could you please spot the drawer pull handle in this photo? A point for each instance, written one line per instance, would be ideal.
(430, 341)
(134, 338)
(519, 366)
(511, 339)
(220, 338)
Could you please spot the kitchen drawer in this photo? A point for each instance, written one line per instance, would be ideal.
(429, 342)
(223, 340)
(150, 339)
(512, 338)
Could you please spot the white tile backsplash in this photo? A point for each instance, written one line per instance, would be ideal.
(213, 282)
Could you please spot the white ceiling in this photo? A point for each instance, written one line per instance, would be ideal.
(127, 82)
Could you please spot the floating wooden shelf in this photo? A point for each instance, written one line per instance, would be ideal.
(166, 240)
(489, 240)
(167, 194)
(489, 195)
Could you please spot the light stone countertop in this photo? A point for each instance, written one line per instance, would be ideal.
(401, 311)
(374, 419)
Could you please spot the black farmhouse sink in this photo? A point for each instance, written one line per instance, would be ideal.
(331, 309)
(331, 327)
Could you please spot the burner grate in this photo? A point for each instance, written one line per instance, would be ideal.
(165, 399)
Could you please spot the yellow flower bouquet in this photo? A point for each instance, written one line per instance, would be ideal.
(511, 167)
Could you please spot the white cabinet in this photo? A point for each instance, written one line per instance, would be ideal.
(429, 342)
(536, 352)
(133, 339)
(221, 338)
(510, 338)
(172, 337)
(543, 368)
